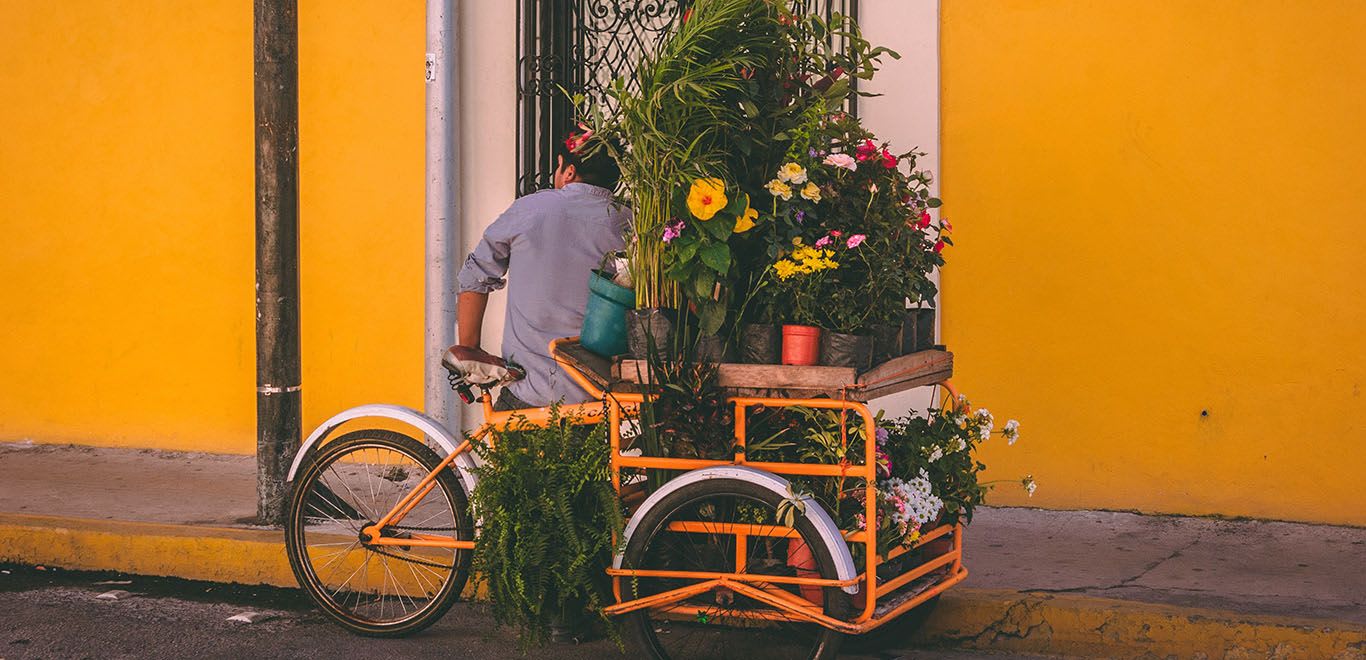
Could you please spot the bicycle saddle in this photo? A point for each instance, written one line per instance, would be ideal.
(479, 368)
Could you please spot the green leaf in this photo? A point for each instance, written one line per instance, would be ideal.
(751, 110)
(703, 285)
(934, 202)
(720, 226)
(685, 251)
(717, 257)
(710, 317)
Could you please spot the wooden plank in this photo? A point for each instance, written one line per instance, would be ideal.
(895, 375)
(597, 368)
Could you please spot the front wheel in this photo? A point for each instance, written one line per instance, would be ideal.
(377, 590)
(695, 529)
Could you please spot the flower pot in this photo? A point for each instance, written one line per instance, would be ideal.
(712, 348)
(800, 558)
(801, 344)
(759, 343)
(841, 350)
(604, 319)
(917, 330)
(886, 343)
(646, 327)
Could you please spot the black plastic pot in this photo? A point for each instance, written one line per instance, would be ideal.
(886, 343)
(760, 343)
(917, 330)
(652, 325)
(712, 348)
(840, 350)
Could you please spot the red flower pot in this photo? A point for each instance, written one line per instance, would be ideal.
(799, 557)
(801, 344)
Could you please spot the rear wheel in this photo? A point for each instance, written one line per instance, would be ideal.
(721, 623)
(388, 590)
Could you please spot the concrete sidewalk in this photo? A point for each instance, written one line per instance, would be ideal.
(1070, 582)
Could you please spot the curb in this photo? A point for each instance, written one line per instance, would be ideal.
(996, 620)
(1071, 625)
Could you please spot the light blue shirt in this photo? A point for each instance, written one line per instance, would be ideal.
(551, 241)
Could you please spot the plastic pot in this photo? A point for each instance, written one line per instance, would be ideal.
(841, 350)
(652, 325)
(759, 343)
(801, 345)
(799, 557)
(917, 330)
(712, 348)
(604, 319)
(886, 342)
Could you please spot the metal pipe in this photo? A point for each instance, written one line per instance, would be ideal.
(278, 388)
(443, 206)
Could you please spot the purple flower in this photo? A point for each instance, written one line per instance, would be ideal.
(673, 230)
(801, 216)
(811, 152)
(881, 435)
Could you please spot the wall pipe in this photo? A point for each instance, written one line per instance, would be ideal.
(443, 206)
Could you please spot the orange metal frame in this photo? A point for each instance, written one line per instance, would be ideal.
(617, 407)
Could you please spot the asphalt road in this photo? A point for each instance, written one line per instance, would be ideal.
(56, 614)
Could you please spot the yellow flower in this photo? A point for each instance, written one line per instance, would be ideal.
(785, 269)
(779, 189)
(706, 197)
(792, 173)
(812, 192)
(745, 221)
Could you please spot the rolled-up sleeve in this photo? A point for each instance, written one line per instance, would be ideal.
(485, 267)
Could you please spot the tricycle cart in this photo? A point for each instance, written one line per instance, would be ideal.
(720, 557)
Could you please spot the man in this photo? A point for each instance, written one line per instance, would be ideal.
(550, 240)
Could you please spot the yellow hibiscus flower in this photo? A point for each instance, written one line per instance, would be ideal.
(745, 221)
(792, 173)
(779, 189)
(812, 192)
(706, 197)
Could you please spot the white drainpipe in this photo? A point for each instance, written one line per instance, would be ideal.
(443, 205)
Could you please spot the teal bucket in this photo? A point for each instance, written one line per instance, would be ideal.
(604, 321)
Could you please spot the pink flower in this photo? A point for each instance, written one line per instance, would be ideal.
(866, 151)
(924, 220)
(855, 241)
(837, 233)
(888, 160)
(841, 160)
(945, 225)
(823, 241)
(673, 230)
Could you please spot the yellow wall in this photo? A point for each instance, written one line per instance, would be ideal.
(126, 269)
(1160, 212)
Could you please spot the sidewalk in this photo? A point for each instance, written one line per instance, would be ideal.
(1083, 583)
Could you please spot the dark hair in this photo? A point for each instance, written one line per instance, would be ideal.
(597, 167)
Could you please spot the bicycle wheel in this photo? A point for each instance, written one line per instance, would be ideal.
(379, 591)
(721, 623)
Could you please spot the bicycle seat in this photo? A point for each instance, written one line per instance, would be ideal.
(479, 368)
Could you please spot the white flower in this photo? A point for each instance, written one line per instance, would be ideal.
(842, 160)
(1029, 485)
(962, 444)
(937, 454)
(1011, 432)
(920, 504)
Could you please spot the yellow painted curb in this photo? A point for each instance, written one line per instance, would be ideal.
(1061, 624)
(215, 554)
(1084, 626)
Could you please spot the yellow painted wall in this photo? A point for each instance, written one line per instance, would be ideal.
(1160, 212)
(126, 265)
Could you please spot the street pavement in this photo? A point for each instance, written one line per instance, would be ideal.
(58, 614)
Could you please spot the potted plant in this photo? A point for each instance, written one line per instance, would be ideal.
(799, 278)
(548, 519)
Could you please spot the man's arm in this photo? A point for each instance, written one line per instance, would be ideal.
(470, 318)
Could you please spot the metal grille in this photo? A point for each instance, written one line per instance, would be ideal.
(580, 46)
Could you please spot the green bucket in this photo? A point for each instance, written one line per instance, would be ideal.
(604, 320)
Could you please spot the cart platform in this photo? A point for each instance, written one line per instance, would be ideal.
(623, 374)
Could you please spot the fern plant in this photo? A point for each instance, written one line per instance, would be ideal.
(548, 517)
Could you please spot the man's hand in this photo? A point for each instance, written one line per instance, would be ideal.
(458, 352)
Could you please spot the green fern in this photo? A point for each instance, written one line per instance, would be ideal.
(548, 519)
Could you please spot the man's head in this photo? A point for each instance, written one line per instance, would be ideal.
(573, 166)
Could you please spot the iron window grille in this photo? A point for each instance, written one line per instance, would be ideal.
(580, 46)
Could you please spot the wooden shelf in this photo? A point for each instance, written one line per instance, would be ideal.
(776, 380)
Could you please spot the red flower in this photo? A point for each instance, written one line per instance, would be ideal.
(687, 14)
(837, 233)
(924, 219)
(938, 247)
(866, 151)
(888, 160)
